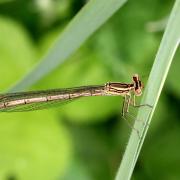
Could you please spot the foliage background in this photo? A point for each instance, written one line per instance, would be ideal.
(85, 139)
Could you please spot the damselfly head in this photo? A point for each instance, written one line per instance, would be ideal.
(138, 86)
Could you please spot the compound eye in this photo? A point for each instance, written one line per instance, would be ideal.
(135, 77)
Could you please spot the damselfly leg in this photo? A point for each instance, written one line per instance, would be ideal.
(133, 103)
(125, 111)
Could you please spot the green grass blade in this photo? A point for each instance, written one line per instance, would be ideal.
(84, 24)
(163, 60)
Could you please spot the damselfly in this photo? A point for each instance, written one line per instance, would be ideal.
(34, 100)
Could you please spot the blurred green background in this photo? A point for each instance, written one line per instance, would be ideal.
(85, 139)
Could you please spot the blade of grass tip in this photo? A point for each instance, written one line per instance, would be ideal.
(84, 24)
(165, 54)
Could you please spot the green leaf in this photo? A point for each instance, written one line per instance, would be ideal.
(17, 51)
(33, 142)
